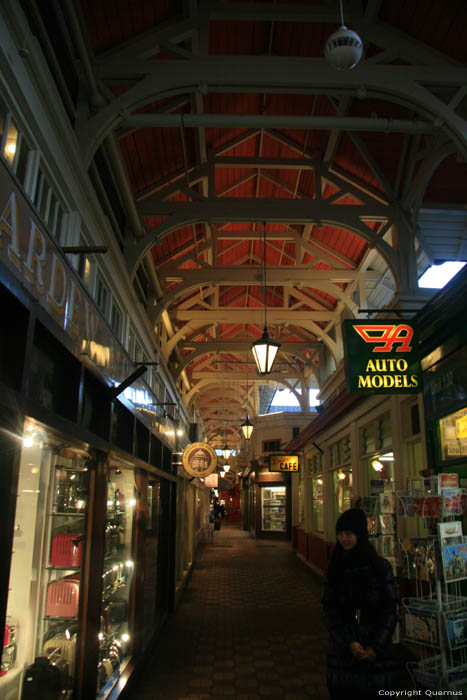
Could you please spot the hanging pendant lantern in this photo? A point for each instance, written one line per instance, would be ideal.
(265, 351)
(247, 428)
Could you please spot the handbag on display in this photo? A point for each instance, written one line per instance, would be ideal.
(66, 648)
(63, 598)
(67, 550)
(71, 489)
(44, 680)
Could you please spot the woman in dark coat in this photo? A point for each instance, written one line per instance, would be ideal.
(359, 604)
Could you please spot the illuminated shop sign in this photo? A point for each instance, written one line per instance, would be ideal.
(282, 463)
(381, 357)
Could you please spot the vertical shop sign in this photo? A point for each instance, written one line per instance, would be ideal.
(381, 357)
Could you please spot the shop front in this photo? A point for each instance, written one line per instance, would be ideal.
(88, 509)
(272, 505)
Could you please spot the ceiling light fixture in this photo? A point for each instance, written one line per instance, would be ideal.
(247, 426)
(265, 349)
(343, 50)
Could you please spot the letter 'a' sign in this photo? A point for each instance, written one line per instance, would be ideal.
(381, 357)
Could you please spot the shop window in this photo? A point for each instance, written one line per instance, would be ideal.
(376, 435)
(45, 591)
(95, 415)
(415, 419)
(273, 508)
(22, 160)
(271, 445)
(141, 441)
(3, 115)
(155, 457)
(54, 218)
(102, 295)
(122, 427)
(380, 470)
(342, 487)
(13, 343)
(453, 435)
(84, 268)
(116, 633)
(10, 143)
(116, 319)
(167, 460)
(131, 342)
(151, 547)
(318, 501)
(54, 375)
(42, 195)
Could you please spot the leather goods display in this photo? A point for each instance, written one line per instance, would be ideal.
(63, 598)
(66, 648)
(8, 659)
(71, 490)
(43, 679)
(10, 634)
(10, 638)
(67, 549)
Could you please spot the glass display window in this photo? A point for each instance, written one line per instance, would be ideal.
(151, 548)
(342, 489)
(318, 501)
(273, 508)
(453, 435)
(43, 622)
(115, 635)
(380, 470)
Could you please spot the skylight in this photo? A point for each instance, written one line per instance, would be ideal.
(285, 397)
(437, 276)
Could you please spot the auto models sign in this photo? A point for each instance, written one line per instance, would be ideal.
(381, 357)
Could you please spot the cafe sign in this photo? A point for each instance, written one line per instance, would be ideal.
(381, 357)
(283, 463)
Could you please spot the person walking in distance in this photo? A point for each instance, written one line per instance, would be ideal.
(360, 612)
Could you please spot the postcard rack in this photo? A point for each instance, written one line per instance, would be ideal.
(436, 563)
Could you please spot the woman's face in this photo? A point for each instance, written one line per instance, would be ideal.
(347, 539)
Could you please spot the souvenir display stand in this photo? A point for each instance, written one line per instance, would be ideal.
(436, 616)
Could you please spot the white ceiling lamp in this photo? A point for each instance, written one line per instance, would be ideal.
(265, 349)
(226, 467)
(343, 50)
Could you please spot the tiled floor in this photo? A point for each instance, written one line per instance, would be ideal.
(248, 627)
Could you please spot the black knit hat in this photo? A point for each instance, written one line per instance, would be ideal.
(354, 520)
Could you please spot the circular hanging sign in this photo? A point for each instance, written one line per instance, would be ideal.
(199, 459)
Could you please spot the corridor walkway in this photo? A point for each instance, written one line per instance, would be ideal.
(248, 627)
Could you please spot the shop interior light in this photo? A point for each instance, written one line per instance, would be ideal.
(129, 564)
(28, 441)
(341, 475)
(132, 502)
(320, 481)
(226, 467)
(377, 465)
(125, 637)
(179, 432)
(388, 457)
(222, 473)
(226, 451)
